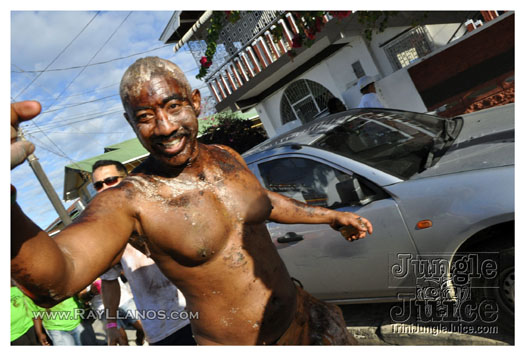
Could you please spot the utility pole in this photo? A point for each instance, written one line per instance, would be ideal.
(46, 184)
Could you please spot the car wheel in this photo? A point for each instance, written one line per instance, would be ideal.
(495, 288)
(501, 288)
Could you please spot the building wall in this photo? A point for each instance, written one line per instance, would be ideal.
(395, 89)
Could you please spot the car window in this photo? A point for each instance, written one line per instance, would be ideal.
(306, 180)
(396, 144)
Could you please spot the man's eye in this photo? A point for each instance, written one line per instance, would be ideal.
(175, 105)
(143, 117)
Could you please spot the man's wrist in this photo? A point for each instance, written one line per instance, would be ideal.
(111, 325)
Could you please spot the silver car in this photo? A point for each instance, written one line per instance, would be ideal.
(439, 193)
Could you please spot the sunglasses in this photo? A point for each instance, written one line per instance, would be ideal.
(109, 181)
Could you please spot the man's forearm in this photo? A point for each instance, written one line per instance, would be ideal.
(111, 297)
(290, 211)
(37, 263)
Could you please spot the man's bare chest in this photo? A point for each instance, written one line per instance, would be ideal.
(192, 219)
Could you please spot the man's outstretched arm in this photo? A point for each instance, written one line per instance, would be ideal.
(50, 270)
(290, 211)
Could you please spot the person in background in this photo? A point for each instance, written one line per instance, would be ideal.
(335, 105)
(61, 322)
(152, 291)
(23, 329)
(125, 307)
(368, 89)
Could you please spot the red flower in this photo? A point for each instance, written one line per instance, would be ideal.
(205, 62)
(310, 34)
(318, 24)
(340, 14)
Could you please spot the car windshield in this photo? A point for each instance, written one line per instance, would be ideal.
(397, 143)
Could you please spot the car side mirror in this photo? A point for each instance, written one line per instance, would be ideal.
(350, 192)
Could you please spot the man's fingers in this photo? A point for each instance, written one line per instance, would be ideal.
(19, 152)
(24, 110)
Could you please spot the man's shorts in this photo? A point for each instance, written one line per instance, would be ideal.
(316, 323)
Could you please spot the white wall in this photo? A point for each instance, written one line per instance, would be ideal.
(395, 89)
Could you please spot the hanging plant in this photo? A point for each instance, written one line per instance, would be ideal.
(310, 23)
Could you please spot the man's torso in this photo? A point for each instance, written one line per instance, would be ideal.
(205, 230)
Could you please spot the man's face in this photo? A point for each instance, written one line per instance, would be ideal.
(164, 118)
(105, 173)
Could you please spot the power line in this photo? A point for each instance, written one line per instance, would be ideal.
(29, 75)
(58, 119)
(42, 145)
(82, 103)
(92, 64)
(93, 57)
(87, 133)
(54, 144)
(83, 120)
(53, 61)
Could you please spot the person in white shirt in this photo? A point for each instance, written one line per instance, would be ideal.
(156, 298)
(368, 89)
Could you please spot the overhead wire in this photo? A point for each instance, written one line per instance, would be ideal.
(58, 55)
(73, 80)
(93, 57)
(94, 64)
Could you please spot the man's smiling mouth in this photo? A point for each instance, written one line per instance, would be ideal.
(172, 146)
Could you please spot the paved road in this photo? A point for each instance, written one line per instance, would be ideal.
(371, 324)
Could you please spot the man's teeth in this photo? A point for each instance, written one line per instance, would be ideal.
(172, 143)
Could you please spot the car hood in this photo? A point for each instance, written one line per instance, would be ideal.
(485, 141)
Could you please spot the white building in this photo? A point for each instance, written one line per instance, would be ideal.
(452, 58)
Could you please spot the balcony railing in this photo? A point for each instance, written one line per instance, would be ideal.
(245, 49)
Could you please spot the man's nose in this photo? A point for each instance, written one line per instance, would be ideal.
(166, 125)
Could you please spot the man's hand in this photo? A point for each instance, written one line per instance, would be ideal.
(115, 337)
(42, 338)
(351, 226)
(22, 111)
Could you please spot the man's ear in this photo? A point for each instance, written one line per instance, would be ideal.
(196, 101)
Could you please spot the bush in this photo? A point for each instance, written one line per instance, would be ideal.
(231, 130)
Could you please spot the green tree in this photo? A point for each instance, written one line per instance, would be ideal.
(231, 130)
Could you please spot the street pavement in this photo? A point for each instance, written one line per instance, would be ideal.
(371, 324)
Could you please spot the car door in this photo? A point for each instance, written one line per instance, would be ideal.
(327, 265)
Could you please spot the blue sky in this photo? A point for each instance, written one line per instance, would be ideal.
(69, 129)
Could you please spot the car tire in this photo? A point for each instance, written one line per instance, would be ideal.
(498, 289)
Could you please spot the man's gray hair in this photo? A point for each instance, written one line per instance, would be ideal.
(146, 68)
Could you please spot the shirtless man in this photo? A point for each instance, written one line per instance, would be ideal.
(201, 214)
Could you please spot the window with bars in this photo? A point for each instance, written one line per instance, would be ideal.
(358, 69)
(408, 47)
(303, 100)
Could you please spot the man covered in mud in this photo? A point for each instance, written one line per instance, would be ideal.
(198, 212)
